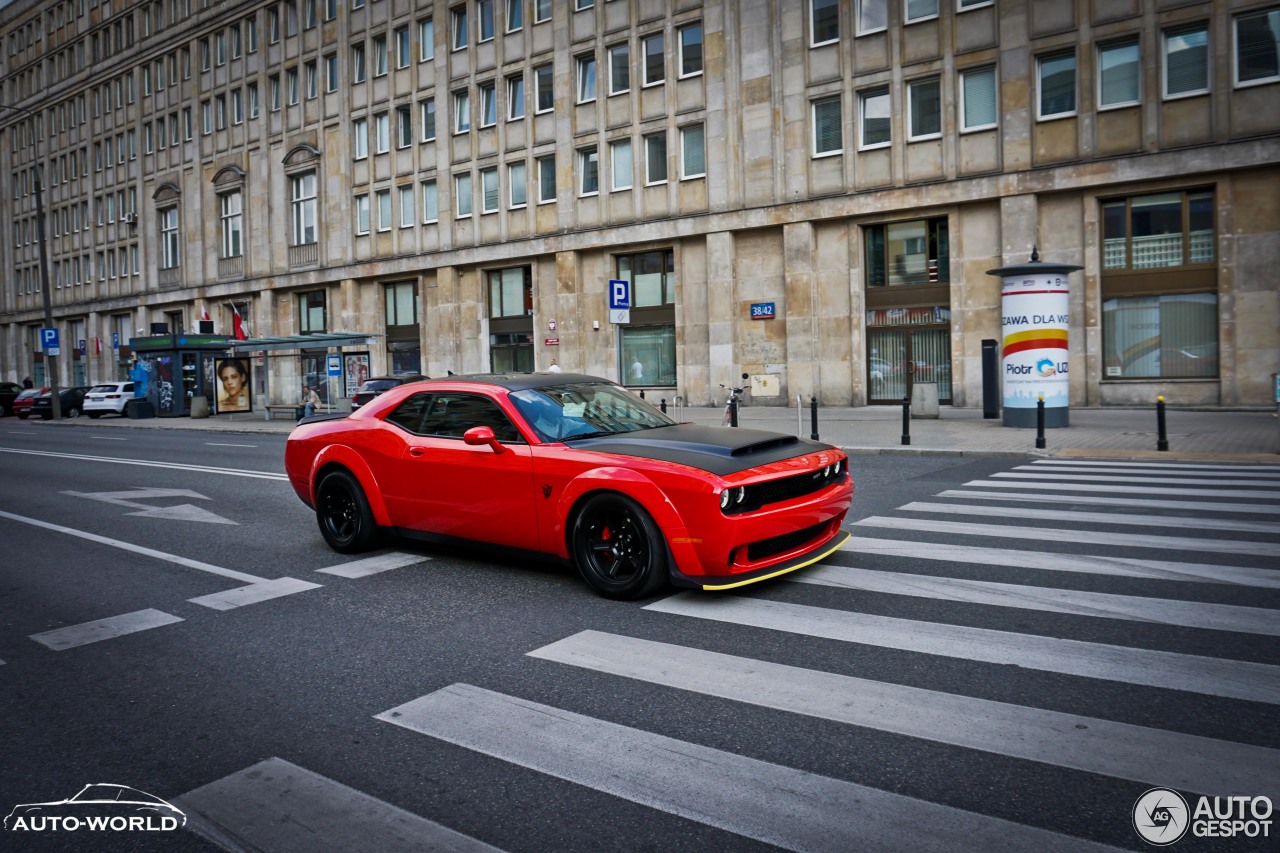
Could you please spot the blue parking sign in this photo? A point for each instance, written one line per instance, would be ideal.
(49, 341)
(619, 294)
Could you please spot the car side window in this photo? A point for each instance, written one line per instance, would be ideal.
(410, 414)
(451, 415)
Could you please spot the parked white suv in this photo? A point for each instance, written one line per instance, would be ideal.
(109, 398)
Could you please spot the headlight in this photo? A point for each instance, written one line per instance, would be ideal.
(742, 495)
(837, 466)
(724, 498)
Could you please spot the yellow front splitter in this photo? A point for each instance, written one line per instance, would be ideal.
(808, 559)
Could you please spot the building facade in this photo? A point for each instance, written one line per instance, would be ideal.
(807, 191)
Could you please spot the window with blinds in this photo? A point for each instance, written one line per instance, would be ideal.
(1186, 62)
(924, 99)
(1258, 47)
(1057, 85)
(978, 99)
(693, 158)
(827, 137)
(1118, 74)
(489, 189)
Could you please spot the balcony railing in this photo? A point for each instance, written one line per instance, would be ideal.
(231, 267)
(171, 277)
(308, 254)
(1157, 251)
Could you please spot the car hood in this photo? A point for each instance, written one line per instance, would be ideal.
(719, 450)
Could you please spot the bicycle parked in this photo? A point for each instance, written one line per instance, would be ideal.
(734, 403)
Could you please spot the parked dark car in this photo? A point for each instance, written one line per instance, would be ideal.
(22, 405)
(72, 403)
(375, 385)
(9, 392)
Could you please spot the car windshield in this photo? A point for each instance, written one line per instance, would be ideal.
(102, 389)
(582, 410)
(377, 386)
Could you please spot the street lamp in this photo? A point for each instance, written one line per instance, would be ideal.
(52, 366)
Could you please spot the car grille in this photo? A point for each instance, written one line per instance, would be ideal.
(784, 489)
(766, 548)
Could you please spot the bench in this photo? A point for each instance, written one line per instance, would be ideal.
(290, 410)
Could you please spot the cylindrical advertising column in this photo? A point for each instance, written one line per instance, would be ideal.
(1034, 363)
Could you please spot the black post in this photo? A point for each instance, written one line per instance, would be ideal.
(641, 393)
(662, 405)
(1040, 423)
(1162, 442)
(813, 418)
(733, 412)
(906, 421)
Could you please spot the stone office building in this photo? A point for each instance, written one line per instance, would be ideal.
(809, 191)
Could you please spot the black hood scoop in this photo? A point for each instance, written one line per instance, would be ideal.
(720, 450)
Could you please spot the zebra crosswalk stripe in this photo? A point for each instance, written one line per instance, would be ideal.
(1083, 463)
(1253, 682)
(1051, 534)
(1188, 614)
(1256, 495)
(778, 805)
(1122, 750)
(1129, 567)
(1082, 469)
(1150, 481)
(1068, 517)
(1097, 500)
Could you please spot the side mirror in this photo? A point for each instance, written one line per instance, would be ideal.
(483, 435)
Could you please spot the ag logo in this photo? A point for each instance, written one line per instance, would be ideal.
(1160, 816)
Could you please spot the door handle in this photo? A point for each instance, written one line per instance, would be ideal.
(417, 451)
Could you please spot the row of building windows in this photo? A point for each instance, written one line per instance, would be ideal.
(1185, 73)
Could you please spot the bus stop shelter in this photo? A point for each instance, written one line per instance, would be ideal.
(293, 346)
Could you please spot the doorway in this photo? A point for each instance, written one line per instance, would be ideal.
(898, 358)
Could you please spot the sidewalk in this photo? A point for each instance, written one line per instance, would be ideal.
(1211, 435)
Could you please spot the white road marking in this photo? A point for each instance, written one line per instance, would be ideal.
(1072, 472)
(180, 512)
(253, 593)
(176, 466)
(1188, 614)
(1254, 682)
(277, 805)
(137, 549)
(1129, 567)
(767, 802)
(107, 438)
(373, 565)
(1053, 534)
(1095, 500)
(1135, 490)
(1212, 466)
(1150, 481)
(1069, 517)
(104, 629)
(1122, 750)
(221, 444)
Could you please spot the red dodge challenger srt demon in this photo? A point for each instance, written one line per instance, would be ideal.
(577, 468)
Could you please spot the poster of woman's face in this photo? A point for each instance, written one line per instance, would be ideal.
(357, 371)
(233, 385)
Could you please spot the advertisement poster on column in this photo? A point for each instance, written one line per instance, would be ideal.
(1034, 326)
(233, 385)
(356, 370)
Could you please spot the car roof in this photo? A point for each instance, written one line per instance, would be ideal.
(522, 381)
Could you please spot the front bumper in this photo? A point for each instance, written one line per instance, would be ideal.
(813, 554)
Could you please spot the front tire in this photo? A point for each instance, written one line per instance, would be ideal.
(343, 513)
(618, 548)
(72, 412)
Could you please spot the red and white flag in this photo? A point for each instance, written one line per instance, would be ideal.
(204, 312)
(237, 324)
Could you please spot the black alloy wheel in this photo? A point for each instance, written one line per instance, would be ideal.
(343, 513)
(618, 548)
(73, 412)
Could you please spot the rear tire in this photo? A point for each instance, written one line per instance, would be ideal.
(94, 415)
(343, 513)
(618, 549)
(72, 412)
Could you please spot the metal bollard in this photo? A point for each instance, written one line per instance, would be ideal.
(1040, 423)
(641, 393)
(733, 412)
(906, 421)
(813, 418)
(662, 405)
(1162, 441)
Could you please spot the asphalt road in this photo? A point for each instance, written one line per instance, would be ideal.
(907, 694)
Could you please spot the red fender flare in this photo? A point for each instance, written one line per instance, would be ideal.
(339, 454)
